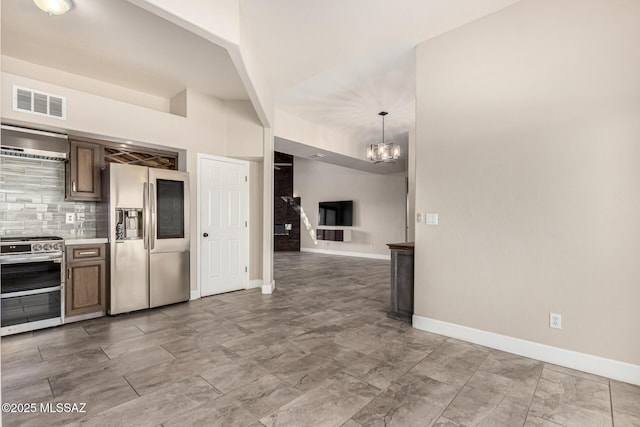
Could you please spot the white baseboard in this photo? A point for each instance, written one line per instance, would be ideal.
(268, 289)
(610, 368)
(346, 253)
(256, 283)
(195, 294)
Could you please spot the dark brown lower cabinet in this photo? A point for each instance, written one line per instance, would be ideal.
(401, 298)
(85, 280)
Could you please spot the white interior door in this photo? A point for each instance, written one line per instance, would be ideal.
(224, 233)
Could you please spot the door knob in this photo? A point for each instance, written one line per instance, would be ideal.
(205, 235)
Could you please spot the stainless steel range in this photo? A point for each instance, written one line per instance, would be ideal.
(32, 270)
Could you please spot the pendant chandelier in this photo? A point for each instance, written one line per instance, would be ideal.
(384, 152)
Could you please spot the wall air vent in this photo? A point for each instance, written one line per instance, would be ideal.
(40, 103)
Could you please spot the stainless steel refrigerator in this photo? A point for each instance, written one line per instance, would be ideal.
(147, 216)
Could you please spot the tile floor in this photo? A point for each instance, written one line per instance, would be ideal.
(320, 352)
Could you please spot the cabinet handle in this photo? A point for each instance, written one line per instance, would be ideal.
(145, 212)
(88, 253)
(73, 186)
(69, 273)
(152, 227)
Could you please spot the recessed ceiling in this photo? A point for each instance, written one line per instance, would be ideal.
(349, 97)
(117, 42)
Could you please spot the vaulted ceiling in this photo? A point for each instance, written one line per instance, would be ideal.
(117, 42)
(339, 63)
(335, 63)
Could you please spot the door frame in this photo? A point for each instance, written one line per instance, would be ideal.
(197, 293)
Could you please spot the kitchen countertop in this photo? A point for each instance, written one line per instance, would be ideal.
(86, 241)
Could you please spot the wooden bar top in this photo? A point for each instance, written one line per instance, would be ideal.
(404, 246)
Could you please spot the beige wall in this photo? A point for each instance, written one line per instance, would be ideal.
(209, 127)
(242, 133)
(85, 84)
(99, 115)
(528, 147)
(378, 201)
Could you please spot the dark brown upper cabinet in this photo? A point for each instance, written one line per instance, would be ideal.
(83, 179)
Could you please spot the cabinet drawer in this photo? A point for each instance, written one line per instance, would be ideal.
(84, 252)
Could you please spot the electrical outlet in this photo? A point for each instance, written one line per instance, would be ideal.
(70, 218)
(555, 320)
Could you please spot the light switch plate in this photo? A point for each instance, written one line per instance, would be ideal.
(432, 219)
(70, 217)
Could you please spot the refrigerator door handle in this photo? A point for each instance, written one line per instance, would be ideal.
(145, 209)
(152, 224)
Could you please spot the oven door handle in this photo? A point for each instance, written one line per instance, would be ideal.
(30, 292)
(30, 258)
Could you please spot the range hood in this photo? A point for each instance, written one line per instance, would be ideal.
(35, 144)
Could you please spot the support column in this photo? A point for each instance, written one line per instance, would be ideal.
(269, 283)
(411, 196)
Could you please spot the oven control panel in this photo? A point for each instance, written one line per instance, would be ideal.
(46, 247)
(31, 248)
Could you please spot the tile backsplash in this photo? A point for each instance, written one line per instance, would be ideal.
(32, 201)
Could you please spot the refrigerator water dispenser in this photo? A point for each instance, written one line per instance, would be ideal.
(128, 224)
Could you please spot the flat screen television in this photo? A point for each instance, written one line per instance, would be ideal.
(336, 213)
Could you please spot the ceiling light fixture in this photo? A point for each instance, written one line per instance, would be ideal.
(54, 7)
(384, 152)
